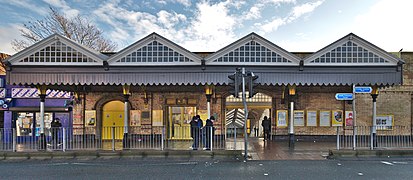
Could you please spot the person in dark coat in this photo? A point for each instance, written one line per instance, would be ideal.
(195, 132)
(55, 128)
(266, 125)
(209, 132)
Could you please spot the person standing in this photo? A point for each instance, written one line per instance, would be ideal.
(266, 125)
(55, 127)
(209, 132)
(194, 132)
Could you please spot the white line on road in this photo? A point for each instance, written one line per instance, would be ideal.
(388, 163)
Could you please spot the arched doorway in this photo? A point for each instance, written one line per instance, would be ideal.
(113, 120)
(259, 106)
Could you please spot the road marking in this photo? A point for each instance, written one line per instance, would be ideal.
(388, 163)
(399, 162)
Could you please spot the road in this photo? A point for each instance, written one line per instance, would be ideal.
(207, 169)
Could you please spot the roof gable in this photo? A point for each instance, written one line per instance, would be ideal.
(351, 50)
(154, 50)
(57, 50)
(252, 50)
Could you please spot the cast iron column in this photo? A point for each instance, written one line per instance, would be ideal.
(42, 138)
(374, 137)
(126, 144)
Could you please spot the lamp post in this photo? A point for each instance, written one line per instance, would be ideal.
(291, 92)
(126, 94)
(208, 94)
(374, 94)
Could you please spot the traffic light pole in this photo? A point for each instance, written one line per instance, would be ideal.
(244, 100)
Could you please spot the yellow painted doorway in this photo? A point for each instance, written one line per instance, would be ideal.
(113, 120)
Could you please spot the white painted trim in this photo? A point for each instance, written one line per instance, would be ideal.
(209, 60)
(153, 63)
(145, 41)
(361, 43)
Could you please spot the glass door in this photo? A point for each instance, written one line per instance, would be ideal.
(179, 119)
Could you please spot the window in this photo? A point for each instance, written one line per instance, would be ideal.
(349, 52)
(58, 52)
(253, 52)
(156, 52)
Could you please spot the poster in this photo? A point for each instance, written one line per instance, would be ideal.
(282, 118)
(384, 122)
(135, 118)
(90, 118)
(325, 118)
(337, 118)
(349, 118)
(311, 118)
(157, 118)
(298, 118)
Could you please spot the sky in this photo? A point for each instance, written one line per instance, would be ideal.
(209, 25)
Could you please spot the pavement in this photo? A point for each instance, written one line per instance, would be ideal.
(257, 150)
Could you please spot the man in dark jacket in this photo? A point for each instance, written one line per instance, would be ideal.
(209, 132)
(266, 125)
(194, 132)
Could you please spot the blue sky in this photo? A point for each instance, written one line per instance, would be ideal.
(209, 25)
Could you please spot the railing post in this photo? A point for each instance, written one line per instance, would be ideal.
(113, 138)
(14, 133)
(235, 138)
(162, 138)
(64, 139)
(338, 138)
(211, 140)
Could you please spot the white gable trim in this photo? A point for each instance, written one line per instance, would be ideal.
(361, 43)
(145, 41)
(295, 60)
(15, 59)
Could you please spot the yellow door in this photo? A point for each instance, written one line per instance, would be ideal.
(113, 120)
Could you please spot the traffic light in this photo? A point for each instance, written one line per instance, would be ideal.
(235, 81)
(251, 78)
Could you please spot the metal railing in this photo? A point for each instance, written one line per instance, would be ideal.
(390, 137)
(113, 138)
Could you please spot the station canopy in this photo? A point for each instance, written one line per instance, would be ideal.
(155, 60)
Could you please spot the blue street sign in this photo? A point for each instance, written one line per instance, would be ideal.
(344, 96)
(362, 89)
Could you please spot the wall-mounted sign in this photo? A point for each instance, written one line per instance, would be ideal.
(384, 122)
(337, 118)
(90, 118)
(282, 118)
(348, 118)
(325, 118)
(311, 118)
(298, 118)
(135, 117)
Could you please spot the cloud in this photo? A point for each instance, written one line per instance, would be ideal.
(63, 6)
(296, 12)
(29, 5)
(7, 35)
(388, 24)
(300, 10)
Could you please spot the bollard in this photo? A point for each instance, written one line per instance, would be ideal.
(64, 139)
(113, 138)
(14, 133)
